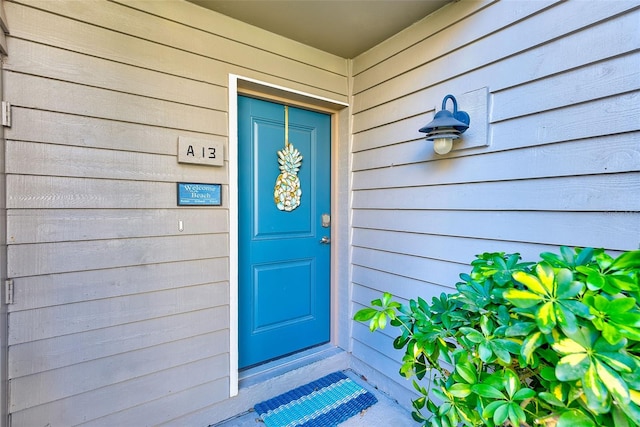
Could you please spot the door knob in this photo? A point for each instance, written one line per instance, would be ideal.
(325, 240)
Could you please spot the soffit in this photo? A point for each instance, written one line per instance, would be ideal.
(343, 28)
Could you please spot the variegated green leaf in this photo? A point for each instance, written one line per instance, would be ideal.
(597, 395)
(500, 350)
(622, 282)
(484, 351)
(530, 344)
(444, 409)
(522, 299)
(551, 399)
(546, 317)
(511, 382)
(630, 333)
(460, 390)
(467, 372)
(626, 260)
(567, 288)
(520, 329)
(546, 277)
(365, 314)
(486, 325)
(437, 392)
(633, 380)
(616, 386)
(568, 346)
(382, 320)
(572, 367)
(565, 318)
(531, 282)
(618, 361)
(472, 335)
(577, 308)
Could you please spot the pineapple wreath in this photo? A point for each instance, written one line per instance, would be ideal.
(287, 192)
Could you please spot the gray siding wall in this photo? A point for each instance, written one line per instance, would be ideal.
(3, 248)
(563, 162)
(120, 318)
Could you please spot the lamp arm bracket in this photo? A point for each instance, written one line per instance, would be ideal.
(453, 99)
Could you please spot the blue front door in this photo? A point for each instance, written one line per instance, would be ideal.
(284, 263)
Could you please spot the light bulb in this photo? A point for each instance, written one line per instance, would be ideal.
(442, 145)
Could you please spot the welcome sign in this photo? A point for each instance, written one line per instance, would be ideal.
(195, 194)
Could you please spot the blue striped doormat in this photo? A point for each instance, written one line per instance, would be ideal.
(323, 403)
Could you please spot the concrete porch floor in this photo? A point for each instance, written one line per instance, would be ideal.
(385, 413)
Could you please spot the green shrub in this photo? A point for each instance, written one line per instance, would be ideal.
(552, 343)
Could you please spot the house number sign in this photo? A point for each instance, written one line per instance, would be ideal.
(200, 151)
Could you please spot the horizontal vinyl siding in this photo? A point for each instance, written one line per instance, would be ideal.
(119, 318)
(4, 396)
(563, 162)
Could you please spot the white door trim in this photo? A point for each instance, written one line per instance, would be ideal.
(268, 89)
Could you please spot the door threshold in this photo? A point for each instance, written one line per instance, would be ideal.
(265, 372)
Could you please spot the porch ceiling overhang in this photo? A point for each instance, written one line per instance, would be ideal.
(343, 28)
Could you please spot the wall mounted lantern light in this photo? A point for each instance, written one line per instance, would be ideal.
(446, 126)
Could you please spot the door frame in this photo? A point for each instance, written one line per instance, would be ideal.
(239, 85)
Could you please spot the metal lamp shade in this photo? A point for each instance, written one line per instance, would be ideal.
(444, 120)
